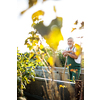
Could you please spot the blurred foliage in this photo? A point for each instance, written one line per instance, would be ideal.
(50, 39)
(73, 29)
(35, 16)
(78, 49)
(32, 40)
(49, 33)
(50, 61)
(61, 58)
(49, 51)
(45, 30)
(40, 55)
(82, 63)
(81, 27)
(32, 3)
(25, 71)
(54, 9)
(76, 22)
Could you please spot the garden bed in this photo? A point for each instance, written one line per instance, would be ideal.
(34, 89)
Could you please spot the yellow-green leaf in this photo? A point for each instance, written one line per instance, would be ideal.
(54, 8)
(53, 38)
(52, 33)
(63, 86)
(73, 29)
(17, 49)
(18, 54)
(76, 22)
(45, 30)
(34, 42)
(30, 47)
(78, 49)
(36, 15)
(23, 11)
(31, 55)
(82, 25)
(41, 46)
(38, 58)
(50, 61)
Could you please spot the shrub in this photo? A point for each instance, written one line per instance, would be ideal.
(61, 58)
(25, 71)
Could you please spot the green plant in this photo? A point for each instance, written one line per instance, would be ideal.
(61, 58)
(25, 71)
(82, 63)
(52, 35)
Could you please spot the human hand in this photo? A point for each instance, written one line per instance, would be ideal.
(66, 54)
(72, 51)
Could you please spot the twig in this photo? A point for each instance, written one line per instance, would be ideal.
(64, 68)
(21, 84)
(44, 91)
(47, 54)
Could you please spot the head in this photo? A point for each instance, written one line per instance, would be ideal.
(70, 42)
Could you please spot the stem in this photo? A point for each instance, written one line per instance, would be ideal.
(21, 84)
(44, 91)
(48, 56)
(64, 69)
(63, 93)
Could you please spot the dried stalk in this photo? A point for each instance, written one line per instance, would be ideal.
(50, 86)
(21, 84)
(48, 56)
(64, 69)
(45, 66)
(44, 91)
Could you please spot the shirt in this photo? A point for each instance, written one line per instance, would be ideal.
(78, 60)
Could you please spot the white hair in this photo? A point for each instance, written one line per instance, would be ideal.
(71, 38)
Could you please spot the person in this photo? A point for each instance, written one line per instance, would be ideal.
(74, 60)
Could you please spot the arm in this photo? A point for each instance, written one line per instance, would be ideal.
(71, 55)
(67, 52)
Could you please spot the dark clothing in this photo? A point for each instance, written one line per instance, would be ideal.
(74, 66)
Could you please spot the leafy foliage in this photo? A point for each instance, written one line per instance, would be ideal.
(82, 63)
(50, 39)
(51, 32)
(82, 25)
(30, 4)
(35, 16)
(50, 60)
(73, 29)
(54, 9)
(78, 49)
(76, 22)
(39, 55)
(34, 39)
(61, 58)
(25, 71)
(45, 30)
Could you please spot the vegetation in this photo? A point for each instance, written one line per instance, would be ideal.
(25, 71)
(39, 55)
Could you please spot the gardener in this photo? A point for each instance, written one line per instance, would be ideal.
(74, 69)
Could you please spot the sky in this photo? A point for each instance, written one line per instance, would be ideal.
(70, 12)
